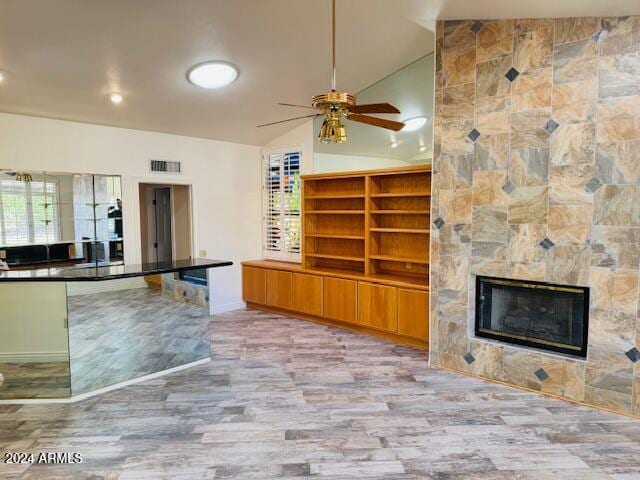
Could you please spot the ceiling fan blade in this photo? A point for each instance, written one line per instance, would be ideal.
(289, 120)
(294, 105)
(378, 122)
(374, 108)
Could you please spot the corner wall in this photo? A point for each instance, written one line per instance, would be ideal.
(225, 178)
(556, 156)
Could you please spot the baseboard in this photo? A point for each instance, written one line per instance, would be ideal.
(227, 307)
(34, 357)
(391, 337)
(100, 391)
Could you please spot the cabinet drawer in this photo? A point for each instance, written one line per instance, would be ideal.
(254, 285)
(279, 285)
(378, 306)
(340, 299)
(307, 294)
(413, 313)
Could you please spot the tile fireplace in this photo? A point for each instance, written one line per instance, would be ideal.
(536, 178)
(535, 314)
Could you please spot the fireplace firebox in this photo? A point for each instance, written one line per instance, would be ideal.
(535, 314)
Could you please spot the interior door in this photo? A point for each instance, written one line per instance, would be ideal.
(162, 214)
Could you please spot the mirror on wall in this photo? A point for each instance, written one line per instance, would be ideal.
(411, 90)
(60, 219)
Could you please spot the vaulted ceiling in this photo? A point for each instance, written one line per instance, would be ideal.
(62, 58)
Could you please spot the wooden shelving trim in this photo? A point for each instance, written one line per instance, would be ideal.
(395, 258)
(332, 196)
(400, 194)
(400, 212)
(334, 235)
(404, 281)
(334, 212)
(400, 230)
(409, 170)
(335, 257)
(400, 279)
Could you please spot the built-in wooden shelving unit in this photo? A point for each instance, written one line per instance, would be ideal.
(365, 256)
(371, 224)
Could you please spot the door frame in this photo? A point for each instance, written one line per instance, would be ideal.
(137, 184)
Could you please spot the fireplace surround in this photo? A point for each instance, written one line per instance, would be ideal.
(535, 314)
(535, 177)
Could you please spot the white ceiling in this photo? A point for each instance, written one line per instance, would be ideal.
(63, 57)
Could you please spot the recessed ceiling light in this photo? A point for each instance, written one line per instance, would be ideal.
(116, 97)
(212, 74)
(413, 124)
(423, 148)
(393, 144)
(2, 76)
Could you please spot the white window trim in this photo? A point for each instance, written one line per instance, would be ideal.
(281, 150)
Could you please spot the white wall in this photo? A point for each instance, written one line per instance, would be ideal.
(225, 178)
(327, 163)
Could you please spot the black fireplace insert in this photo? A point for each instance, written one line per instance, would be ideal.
(536, 314)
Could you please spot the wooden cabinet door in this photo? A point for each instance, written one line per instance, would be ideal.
(413, 314)
(340, 299)
(254, 285)
(307, 294)
(279, 292)
(378, 306)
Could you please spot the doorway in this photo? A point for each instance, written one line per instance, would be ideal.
(165, 222)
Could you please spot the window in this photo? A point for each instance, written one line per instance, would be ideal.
(28, 212)
(281, 211)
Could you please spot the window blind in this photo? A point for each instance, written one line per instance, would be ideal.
(281, 197)
(28, 212)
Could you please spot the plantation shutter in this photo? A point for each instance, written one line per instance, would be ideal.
(28, 212)
(281, 197)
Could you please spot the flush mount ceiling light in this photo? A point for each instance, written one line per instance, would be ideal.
(422, 148)
(116, 97)
(212, 75)
(393, 145)
(413, 124)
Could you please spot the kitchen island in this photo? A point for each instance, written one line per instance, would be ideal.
(69, 333)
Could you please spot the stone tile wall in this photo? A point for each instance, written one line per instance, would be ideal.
(537, 176)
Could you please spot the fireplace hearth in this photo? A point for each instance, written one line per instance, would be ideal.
(536, 314)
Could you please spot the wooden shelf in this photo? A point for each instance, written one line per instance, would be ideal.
(400, 212)
(335, 257)
(401, 194)
(333, 196)
(400, 230)
(397, 279)
(334, 212)
(334, 235)
(394, 258)
(381, 224)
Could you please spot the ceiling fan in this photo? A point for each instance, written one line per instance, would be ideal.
(334, 105)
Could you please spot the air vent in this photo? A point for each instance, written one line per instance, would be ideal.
(164, 166)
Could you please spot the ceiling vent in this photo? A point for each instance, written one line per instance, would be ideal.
(164, 166)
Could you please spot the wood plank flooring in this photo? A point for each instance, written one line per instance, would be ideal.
(283, 398)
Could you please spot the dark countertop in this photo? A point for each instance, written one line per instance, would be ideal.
(92, 273)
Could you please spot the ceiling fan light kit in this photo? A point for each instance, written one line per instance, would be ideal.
(334, 105)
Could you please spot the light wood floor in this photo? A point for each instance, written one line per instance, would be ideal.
(283, 398)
